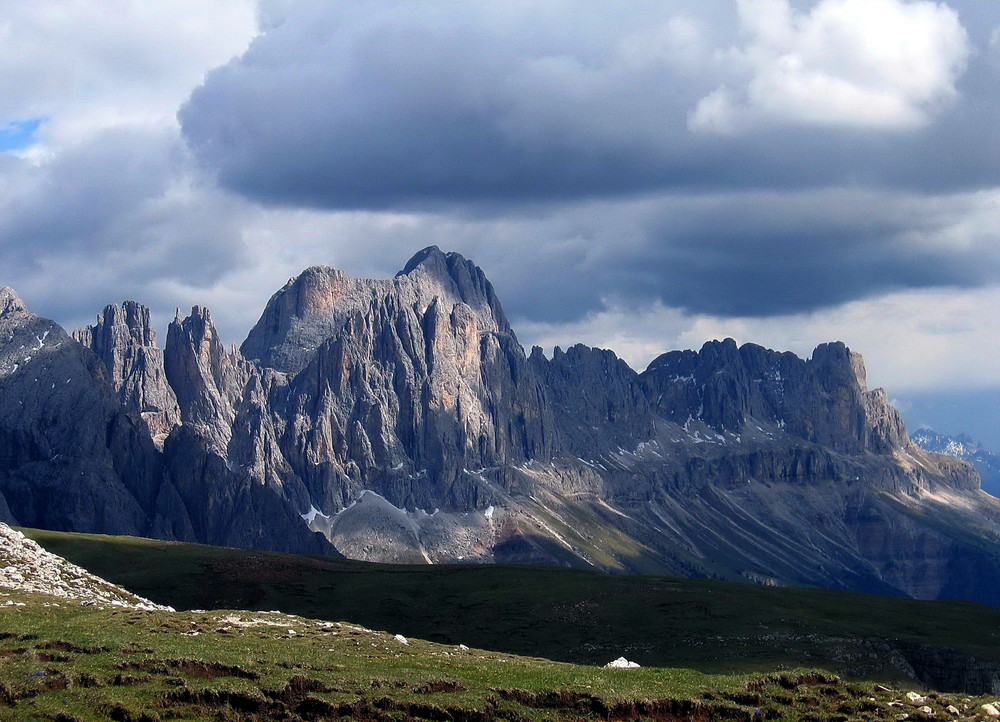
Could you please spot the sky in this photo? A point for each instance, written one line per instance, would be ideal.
(639, 176)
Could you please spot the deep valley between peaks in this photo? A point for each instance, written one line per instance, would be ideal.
(400, 420)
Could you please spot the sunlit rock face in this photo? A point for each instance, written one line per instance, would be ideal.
(400, 420)
(125, 341)
(963, 447)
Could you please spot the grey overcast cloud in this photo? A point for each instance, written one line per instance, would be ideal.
(639, 176)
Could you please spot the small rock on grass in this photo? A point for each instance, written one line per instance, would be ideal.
(621, 663)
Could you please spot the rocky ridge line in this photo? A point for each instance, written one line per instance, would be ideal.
(401, 420)
(962, 446)
(27, 567)
(124, 339)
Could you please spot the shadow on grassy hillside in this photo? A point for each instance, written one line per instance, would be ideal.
(570, 615)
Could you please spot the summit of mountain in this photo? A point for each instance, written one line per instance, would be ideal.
(316, 304)
(124, 340)
(400, 419)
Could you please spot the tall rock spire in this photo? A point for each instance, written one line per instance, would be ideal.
(124, 340)
(203, 376)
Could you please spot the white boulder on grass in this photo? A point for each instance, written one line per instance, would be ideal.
(621, 663)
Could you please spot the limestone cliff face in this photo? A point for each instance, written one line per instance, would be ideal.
(823, 400)
(124, 340)
(230, 477)
(412, 392)
(70, 456)
(400, 419)
(76, 451)
(307, 311)
(597, 402)
(206, 378)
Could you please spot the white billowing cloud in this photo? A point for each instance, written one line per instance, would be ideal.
(875, 64)
(84, 65)
(911, 341)
(994, 47)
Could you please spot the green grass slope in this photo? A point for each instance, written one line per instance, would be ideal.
(61, 662)
(572, 616)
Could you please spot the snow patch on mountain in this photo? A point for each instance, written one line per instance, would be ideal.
(962, 446)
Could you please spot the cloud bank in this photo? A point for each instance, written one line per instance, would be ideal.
(643, 174)
(879, 64)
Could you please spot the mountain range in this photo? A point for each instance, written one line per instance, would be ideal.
(401, 420)
(963, 446)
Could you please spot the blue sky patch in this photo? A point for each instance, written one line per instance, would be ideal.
(18, 135)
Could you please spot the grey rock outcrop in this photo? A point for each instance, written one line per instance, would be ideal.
(207, 379)
(413, 391)
(400, 420)
(124, 340)
(26, 567)
(962, 446)
(76, 452)
(223, 460)
(70, 456)
(597, 401)
(308, 310)
(823, 400)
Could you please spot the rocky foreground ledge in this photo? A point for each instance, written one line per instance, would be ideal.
(26, 567)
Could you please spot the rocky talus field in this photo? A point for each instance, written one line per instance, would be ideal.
(27, 567)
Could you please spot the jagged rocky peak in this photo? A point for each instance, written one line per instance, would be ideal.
(317, 304)
(597, 399)
(823, 400)
(836, 364)
(194, 339)
(72, 457)
(203, 375)
(877, 426)
(124, 340)
(24, 336)
(306, 311)
(415, 388)
(459, 279)
(10, 303)
(119, 327)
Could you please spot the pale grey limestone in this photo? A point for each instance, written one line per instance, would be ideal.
(400, 420)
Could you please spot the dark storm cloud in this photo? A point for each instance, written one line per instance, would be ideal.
(755, 158)
(765, 254)
(402, 105)
(748, 254)
(109, 217)
(406, 104)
